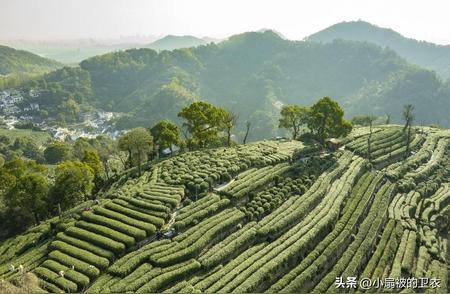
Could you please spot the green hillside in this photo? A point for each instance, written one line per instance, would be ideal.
(271, 216)
(251, 74)
(23, 62)
(425, 54)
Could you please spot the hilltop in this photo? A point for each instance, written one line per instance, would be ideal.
(425, 54)
(171, 42)
(276, 216)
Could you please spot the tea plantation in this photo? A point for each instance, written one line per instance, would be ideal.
(271, 216)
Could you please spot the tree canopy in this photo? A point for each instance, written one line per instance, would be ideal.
(327, 120)
(165, 134)
(137, 143)
(293, 117)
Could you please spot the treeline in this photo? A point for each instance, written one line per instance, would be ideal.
(58, 178)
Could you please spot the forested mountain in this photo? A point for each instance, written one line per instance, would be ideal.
(171, 42)
(251, 74)
(425, 54)
(19, 61)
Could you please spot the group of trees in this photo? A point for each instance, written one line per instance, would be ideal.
(204, 125)
(324, 119)
(29, 194)
(31, 191)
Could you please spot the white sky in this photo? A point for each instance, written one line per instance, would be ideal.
(69, 19)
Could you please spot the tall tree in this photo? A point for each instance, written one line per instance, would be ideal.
(293, 117)
(326, 120)
(106, 148)
(166, 134)
(408, 116)
(29, 196)
(229, 122)
(248, 125)
(203, 122)
(92, 159)
(138, 143)
(73, 183)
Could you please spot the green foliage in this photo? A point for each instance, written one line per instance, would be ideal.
(53, 277)
(79, 266)
(203, 122)
(92, 159)
(73, 183)
(166, 134)
(93, 237)
(137, 143)
(57, 152)
(72, 275)
(15, 61)
(293, 117)
(81, 254)
(326, 120)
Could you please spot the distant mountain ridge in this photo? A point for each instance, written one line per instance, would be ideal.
(425, 54)
(14, 61)
(171, 42)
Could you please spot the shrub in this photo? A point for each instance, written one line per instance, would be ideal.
(101, 241)
(107, 232)
(85, 245)
(134, 232)
(80, 266)
(76, 277)
(97, 261)
(54, 278)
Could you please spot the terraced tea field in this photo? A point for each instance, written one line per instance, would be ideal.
(272, 216)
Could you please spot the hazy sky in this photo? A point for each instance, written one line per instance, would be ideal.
(66, 19)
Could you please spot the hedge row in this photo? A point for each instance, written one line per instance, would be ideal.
(149, 228)
(198, 216)
(397, 263)
(195, 243)
(81, 254)
(327, 250)
(388, 233)
(425, 170)
(80, 266)
(85, 245)
(265, 267)
(132, 260)
(98, 240)
(99, 285)
(388, 252)
(397, 170)
(121, 286)
(56, 279)
(107, 232)
(350, 261)
(216, 281)
(166, 200)
(231, 246)
(146, 205)
(154, 213)
(397, 151)
(295, 209)
(118, 226)
(80, 279)
(170, 276)
(158, 222)
(196, 206)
